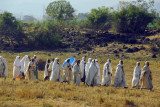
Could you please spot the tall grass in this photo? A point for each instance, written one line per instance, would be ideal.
(41, 93)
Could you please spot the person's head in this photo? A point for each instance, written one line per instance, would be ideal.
(78, 62)
(147, 63)
(84, 58)
(28, 57)
(57, 60)
(18, 57)
(1, 58)
(109, 60)
(49, 61)
(68, 60)
(32, 59)
(138, 64)
(121, 62)
(89, 60)
(35, 56)
(96, 60)
(53, 59)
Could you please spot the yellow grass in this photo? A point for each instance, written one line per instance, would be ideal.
(50, 94)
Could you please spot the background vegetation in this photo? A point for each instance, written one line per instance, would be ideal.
(138, 18)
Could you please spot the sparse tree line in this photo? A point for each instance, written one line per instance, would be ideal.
(130, 17)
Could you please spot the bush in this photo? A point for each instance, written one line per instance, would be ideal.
(100, 17)
(46, 37)
(133, 17)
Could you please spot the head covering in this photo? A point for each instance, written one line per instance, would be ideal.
(120, 62)
(23, 59)
(138, 63)
(146, 63)
(17, 61)
(56, 60)
(1, 58)
(96, 60)
(89, 60)
(35, 56)
(83, 58)
(108, 60)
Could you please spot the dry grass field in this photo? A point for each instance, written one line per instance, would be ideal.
(49, 94)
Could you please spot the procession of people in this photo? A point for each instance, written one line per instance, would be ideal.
(87, 73)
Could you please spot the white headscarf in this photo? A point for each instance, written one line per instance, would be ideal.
(99, 73)
(55, 74)
(17, 61)
(82, 66)
(92, 71)
(23, 62)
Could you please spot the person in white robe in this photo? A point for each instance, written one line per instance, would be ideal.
(22, 63)
(87, 66)
(146, 78)
(50, 67)
(56, 71)
(3, 67)
(91, 79)
(16, 69)
(77, 73)
(107, 74)
(136, 75)
(26, 62)
(67, 72)
(120, 79)
(99, 73)
(46, 71)
(82, 68)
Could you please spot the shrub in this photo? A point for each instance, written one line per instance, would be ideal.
(100, 17)
(133, 17)
(46, 37)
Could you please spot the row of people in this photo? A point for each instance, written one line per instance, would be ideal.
(88, 73)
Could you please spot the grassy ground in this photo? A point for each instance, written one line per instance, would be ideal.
(47, 94)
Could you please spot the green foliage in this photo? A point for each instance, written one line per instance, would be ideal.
(11, 29)
(46, 37)
(98, 17)
(60, 10)
(133, 17)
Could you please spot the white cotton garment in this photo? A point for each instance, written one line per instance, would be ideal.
(120, 79)
(16, 67)
(55, 75)
(3, 67)
(107, 77)
(26, 63)
(82, 66)
(46, 69)
(22, 63)
(87, 66)
(99, 73)
(76, 74)
(136, 75)
(92, 74)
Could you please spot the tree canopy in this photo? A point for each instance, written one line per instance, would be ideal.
(10, 28)
(60, 10)
(133, 17)
(99, 17)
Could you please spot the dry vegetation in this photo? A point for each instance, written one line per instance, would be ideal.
(49, 94)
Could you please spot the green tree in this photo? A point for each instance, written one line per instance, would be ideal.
(99, 17)
(11, 29)
(60, 10)
(133, 17)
